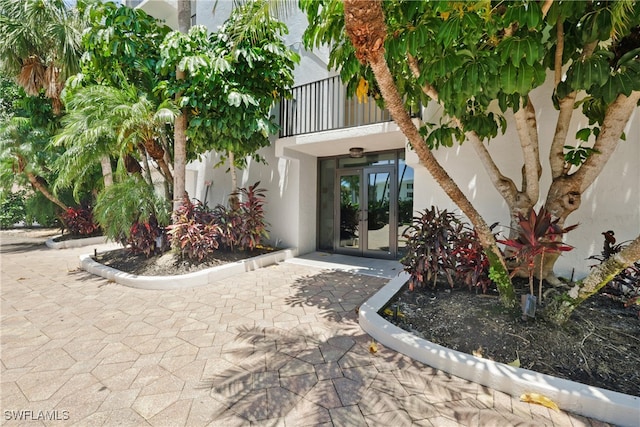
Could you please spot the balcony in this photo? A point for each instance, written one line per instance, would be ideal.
(323, 106)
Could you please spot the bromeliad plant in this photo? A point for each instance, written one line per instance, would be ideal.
(538, 235)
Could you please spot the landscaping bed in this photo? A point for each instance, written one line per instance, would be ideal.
(170, 264)
(599, 345)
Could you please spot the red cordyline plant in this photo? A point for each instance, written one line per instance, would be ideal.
(538, 235)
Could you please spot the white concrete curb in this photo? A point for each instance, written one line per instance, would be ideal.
(75, 243)
(198, 278)
(605, 405)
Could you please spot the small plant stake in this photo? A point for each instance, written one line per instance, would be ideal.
(528, 306)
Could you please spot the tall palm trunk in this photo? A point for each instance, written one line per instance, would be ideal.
(365, 26)
(107, 172)
(180, 126)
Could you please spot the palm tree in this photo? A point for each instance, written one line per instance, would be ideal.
(24, 149)
(365, 26)
(41, 45)
(104, 121)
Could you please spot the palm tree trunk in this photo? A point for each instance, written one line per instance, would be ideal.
(107, 172)
(38, 184)
(365, 26)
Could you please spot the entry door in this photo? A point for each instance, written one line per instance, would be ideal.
(365, 212)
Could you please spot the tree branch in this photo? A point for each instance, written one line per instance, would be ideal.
(556, 153)
(528, 134)
(557, 66)
(616, 118)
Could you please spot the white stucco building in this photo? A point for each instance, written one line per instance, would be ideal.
(324, 195)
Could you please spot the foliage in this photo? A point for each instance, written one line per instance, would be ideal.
(472, 263)
(440, 243)
(79, 221)
(194, 232)
(625, 286)
(473, 53)
(122, 47)
(253, 226)
(198, 231)
(41, 44)
(147, 237)
(232, 82)
(431, 240)
(41, 211)
(12, 208)
(538, 235)
(104, 120)
(123, 204)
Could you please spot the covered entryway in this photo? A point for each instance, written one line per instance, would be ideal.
(365, 204)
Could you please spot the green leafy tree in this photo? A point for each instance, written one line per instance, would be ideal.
(25, 150)
(479, 61)
(121, 48)
(232, 82)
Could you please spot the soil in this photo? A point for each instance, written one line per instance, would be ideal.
(598, 346)
(169, 264)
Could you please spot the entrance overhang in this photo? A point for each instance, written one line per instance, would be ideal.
(374, 137)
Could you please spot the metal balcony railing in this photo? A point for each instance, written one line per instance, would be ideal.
(324, 105)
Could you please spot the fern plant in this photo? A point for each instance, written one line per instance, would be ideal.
(128, 202)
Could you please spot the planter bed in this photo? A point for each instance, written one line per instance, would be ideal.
(199, 278)
(594, 402)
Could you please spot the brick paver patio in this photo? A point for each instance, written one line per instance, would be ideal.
(279, 346)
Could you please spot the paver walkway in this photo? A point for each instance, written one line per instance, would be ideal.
(279, 347)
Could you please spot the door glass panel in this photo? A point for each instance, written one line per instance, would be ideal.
(405, 203)
(349, 211)
(378, 208)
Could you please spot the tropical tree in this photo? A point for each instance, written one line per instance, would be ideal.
(103, 121)
(121, 48)
(480, 60)
(25, 151)
(232, 83)
(364, 24)
(181, 123)
(41, 44)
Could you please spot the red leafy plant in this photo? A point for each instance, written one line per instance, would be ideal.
(79, 221)
(538, 234)
(194, 232)
(146, 237)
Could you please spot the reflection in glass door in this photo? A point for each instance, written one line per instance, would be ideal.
(349, 210)
(379, 212)
(365, 213)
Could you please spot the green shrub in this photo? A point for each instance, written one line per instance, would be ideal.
(126, 203)
(12, 209)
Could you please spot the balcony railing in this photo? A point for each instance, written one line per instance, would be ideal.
(324, 105)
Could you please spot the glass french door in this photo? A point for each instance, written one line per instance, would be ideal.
(365, 218)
